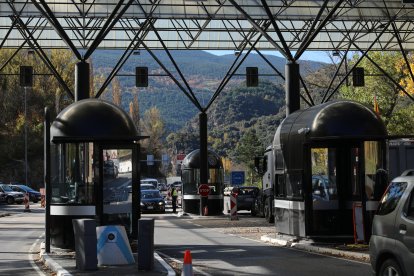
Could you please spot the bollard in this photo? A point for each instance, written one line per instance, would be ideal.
(146, 244)
(85, 244)
(27, 202)
(233, 206)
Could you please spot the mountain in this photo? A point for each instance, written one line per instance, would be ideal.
(203, 72)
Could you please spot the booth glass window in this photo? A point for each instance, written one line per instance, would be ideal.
(191, 180)
(72, 174)
(375, 174)
(323, 174)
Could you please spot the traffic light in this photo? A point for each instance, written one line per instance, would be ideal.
(141, 76)
(26, 76)
(252, 77)
(358, 77)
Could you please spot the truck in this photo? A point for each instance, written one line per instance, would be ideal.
(263, 204)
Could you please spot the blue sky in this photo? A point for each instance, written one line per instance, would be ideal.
(320, 56)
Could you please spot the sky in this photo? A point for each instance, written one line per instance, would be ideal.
(320, 56)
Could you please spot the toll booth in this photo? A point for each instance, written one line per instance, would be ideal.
(190, 175)
(86, 140)
(328, 164)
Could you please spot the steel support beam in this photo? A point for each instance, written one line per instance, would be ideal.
(203, 158)
(82, 81)
(292, 87)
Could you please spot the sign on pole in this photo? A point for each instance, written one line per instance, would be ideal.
(237, 178)
(204, 190)
(150, 160)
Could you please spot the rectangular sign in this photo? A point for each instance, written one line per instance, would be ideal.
(237, 178)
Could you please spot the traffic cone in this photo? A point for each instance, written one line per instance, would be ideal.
(187, 265)
(26, 202)
(206, 211)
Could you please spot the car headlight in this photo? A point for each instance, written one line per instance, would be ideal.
(161, 203)
(142, 204)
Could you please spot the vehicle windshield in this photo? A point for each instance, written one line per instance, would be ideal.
(24, 187)
(150, 194)
(391, 197)
(147, 187)
(6, 188)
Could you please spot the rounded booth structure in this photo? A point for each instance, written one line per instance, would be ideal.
(87, 139)
(190, 175)
(326, 163)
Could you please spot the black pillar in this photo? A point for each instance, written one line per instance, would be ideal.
(48, 190)
(292, 87)
(81, 81)
(203, 158)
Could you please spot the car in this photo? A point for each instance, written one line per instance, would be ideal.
(152, 201)
(391, 245)
(34, 196)
(147, 187)
(11, 196)
(152, 181)
(245, 197)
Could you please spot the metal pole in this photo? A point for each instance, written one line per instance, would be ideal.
(292, 76)
(25, 135)
(203, 158)
(48, 190)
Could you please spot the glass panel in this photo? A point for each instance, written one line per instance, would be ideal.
(376, 177)
(117, 186)
(72, 174)
(215, 181)
(323, 174)
(190, 181)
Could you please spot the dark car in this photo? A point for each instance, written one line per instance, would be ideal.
(152, 201)
(10, 196)
(34, 196)
(245, 197)
(110, 169)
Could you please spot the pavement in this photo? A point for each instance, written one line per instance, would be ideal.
(62, 262)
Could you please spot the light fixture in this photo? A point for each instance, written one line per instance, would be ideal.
(335, 53)
(236, 53)
(137, 53)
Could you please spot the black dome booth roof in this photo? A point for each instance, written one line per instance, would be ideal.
(192, 160)
(335, 120)
(93, 120)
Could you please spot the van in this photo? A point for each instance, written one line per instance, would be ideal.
(391, 246)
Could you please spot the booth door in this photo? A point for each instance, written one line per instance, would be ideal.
(334, 186)
(117, 187)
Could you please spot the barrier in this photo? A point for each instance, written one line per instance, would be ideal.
(187, 265)
(233, 206)
(42, 198)
(26, 202)
(113, 246)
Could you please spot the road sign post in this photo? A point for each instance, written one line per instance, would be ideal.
(204, 191)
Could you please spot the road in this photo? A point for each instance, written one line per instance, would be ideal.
(19, 240)
(217, 253)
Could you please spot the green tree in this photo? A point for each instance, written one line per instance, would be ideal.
(248, 147)
(395, 108)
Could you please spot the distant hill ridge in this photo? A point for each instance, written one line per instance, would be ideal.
(203, 72)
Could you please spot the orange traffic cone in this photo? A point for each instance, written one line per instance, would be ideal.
(26, 203)
(187, 266)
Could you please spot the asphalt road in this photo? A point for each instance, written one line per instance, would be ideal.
(19, 235)
(216, 253)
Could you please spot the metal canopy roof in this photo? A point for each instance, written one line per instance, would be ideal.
(284, 25)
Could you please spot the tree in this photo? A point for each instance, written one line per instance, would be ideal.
(153, 126)
(394, 107)
(116, 92)
(134, 111)
(248, 147)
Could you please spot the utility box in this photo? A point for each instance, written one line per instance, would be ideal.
(146, 244)
(113, 246)
(85, 243)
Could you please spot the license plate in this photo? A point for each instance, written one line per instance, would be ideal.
(150, 207)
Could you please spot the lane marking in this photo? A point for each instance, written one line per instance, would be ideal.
(32, 252)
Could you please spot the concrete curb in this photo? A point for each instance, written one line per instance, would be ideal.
(170, 270)
(363, 257)
(52, 265)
